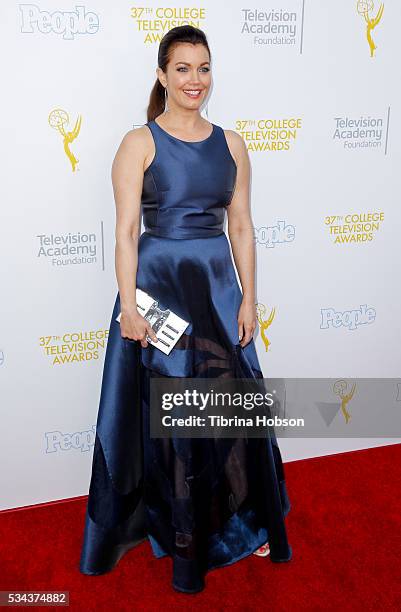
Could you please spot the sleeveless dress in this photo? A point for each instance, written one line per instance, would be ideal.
(206, 503)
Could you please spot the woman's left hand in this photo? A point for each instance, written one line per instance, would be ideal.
(246, 321)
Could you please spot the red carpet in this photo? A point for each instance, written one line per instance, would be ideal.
(344, 528)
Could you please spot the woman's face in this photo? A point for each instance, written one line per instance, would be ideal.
(188, 76)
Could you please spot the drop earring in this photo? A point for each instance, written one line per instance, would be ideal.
(165, 100)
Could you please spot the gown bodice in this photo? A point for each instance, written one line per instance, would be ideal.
(188, 185)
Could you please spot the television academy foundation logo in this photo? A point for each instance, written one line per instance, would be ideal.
(71, 248)
(363, 132)
(272, 27)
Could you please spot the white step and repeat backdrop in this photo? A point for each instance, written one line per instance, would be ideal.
(313, 89)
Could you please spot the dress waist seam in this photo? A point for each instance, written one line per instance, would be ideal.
(171, 234)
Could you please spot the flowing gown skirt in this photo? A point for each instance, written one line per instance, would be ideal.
(205, 502)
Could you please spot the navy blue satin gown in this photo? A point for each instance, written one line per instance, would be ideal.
(205, 502)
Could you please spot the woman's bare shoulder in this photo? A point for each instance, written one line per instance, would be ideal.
(136, 137)
(136, 146)
(236, 144)
(234, 138)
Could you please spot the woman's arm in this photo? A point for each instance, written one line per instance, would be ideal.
(127, 178)
(241, 235)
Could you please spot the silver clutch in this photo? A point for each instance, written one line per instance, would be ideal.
(167, 326)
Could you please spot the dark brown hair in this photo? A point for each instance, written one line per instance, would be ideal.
(180, 34)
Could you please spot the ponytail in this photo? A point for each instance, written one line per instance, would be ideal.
(156, 101)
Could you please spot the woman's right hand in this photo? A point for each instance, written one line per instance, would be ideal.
(134, 326)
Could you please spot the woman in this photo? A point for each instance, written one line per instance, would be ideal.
(206, 503)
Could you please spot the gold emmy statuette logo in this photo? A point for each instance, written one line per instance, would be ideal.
(58, 119)
(364, 7)
(264, 323)
(340, 388)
